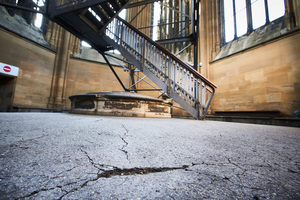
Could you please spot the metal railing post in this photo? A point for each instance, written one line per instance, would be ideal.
(121, 37)
(184, 83)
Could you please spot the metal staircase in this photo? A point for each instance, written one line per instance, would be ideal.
(98, 24)
(87, 19)
(181, 82)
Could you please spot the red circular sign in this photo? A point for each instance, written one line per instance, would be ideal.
(6, 68)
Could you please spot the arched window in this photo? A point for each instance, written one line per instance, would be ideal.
(244, 16)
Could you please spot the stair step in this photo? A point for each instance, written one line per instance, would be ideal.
(96, 22)
(177, 79)
(123, 2)
(192, 91)
(115, 5)
(100, 13)
(108, 9)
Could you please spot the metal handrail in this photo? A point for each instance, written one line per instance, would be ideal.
(196, 73)
(186, 82)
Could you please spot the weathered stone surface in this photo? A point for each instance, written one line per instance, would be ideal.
(64, 156)
(17, 24)
(118, 103)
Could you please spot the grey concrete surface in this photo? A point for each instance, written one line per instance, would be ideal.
(64, 156)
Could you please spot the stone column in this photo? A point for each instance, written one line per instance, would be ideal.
(209, 39)
(65, 44)
(292, 13)
(59, 77)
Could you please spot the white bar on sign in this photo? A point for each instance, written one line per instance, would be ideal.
(9, 69)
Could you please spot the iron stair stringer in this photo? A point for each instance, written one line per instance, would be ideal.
(181, 82)
(194, 112)
(188, 87)
(87, 19)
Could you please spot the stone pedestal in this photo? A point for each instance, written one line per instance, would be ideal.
(116, 103)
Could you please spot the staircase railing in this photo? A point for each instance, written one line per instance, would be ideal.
(181, 82)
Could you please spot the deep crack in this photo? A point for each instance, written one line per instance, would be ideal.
(133, 171)
(125, 172)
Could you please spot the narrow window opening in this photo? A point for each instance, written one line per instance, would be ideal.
(241, 17)
(229, 20)
(156, 20)
(258, 13)
(276, 9)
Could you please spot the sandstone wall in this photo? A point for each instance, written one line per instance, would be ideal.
(86, 77)
(263, 78)
(36, 68)
(36, 64)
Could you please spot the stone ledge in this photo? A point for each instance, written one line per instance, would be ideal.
(277, 121)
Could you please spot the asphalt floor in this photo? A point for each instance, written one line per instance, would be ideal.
(67, 156)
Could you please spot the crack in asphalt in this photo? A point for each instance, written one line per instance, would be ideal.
(125, 143)
(108, 171)
(38, 191)
(124, 172)
(90, 159)
(116, 171)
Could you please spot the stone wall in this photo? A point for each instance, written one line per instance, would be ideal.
(36, 67)
(87, 77)
(264, 77)
(36, 76)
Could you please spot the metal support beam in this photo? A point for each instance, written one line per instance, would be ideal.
(164, 24)
(131, 75)
(165, 5)
(138, 14)
(112, 69)
(143, 90)
(174, 40)
(145, 2)
(64, 9)
(134, 84)
(183, 49)
(21, 8)
(196, 28)
(125, 61)
(188, 24)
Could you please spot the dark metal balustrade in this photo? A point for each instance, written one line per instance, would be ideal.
(97, 23)
(181, 82)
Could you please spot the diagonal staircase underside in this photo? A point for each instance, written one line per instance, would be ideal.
(97, 23)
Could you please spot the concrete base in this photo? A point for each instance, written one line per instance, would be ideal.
(116, 103)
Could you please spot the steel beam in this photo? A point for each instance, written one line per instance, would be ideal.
(141, 3)
(142, 90)
(176, 11)
(60, 10)
(22, 8)
(138, 14)
(117, 58)
(163, 24)
(112, 69)
(174, 40)
(196, 28)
